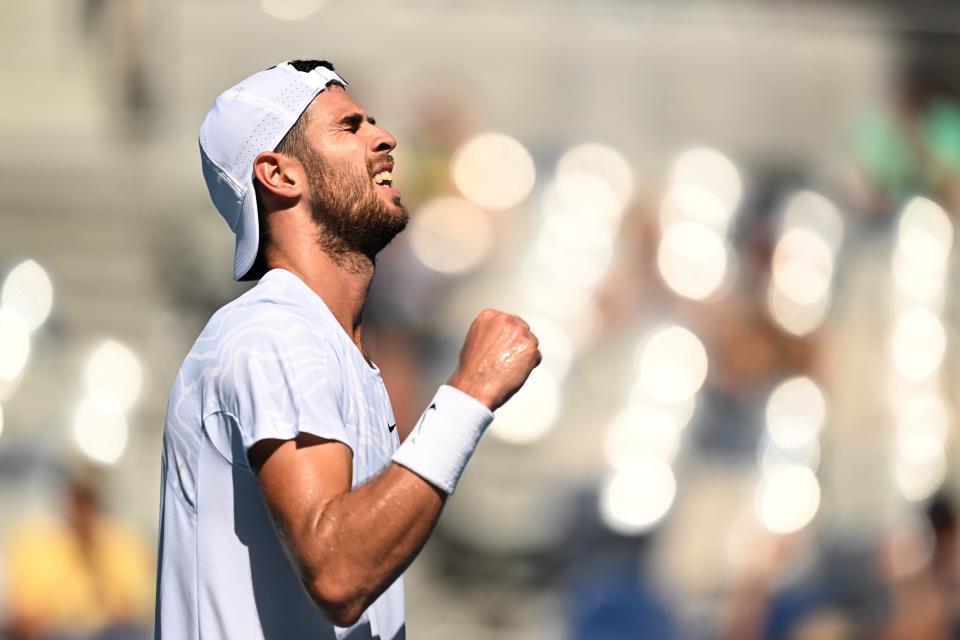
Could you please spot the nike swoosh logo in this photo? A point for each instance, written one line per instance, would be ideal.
(391, 427)
(423, 419)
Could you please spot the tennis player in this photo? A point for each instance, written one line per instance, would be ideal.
(291, 502)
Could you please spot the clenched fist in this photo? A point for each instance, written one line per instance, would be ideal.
(498, 355)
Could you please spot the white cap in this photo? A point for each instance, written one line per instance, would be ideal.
(251, 117)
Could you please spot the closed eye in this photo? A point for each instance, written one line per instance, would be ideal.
(353, 121)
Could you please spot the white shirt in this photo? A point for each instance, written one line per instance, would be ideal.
(270, 364)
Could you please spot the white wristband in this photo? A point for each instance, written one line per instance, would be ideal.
(444, 438)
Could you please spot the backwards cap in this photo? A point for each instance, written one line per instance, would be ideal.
(248, 118)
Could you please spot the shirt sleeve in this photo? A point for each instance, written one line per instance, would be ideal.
(280, 380)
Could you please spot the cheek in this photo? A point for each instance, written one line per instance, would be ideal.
(347, 144)
(343, 150)
(349, 168)
(354, 164)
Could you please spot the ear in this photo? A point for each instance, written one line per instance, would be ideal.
(280, 175)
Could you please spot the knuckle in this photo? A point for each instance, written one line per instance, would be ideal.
(491, 315)
(517, 322)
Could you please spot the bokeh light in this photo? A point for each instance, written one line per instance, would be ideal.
(602, 162)
(920, 464)
(802, 266)
(924, 410)
(114, 375)
(672, 364)
(692, 259)
(925, 218)
(918, 270)
(788, 499)
(773, 457)
(556, 347)
(794, 317)
(590, 199)
(917, 443)
(290, 9)
(637, 497)
(680, 412)
(100, 431)
(548, 293)
(451, 235)
(528, 416)
(574, 248)
(28, 292)
(796, 412)
(692, 203)
(711, 170)
(642, 432)
(494, 171)
(924, 240)
(813, 212)
(918, 344)
(14, 348)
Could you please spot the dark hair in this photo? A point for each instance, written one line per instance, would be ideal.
(294, 144)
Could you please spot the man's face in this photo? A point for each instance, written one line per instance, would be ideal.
(349, 175)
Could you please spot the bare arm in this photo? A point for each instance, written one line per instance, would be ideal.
(349, 546)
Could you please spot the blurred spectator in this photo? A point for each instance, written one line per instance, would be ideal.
(921, 567)
(83, 576)
(913, 146)
(610, 601)
(442, 120)
(942, 515)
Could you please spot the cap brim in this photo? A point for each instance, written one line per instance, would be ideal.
(248, 237)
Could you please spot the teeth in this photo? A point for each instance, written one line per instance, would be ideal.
(383, 176)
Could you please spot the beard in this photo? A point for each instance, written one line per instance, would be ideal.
(353, 220)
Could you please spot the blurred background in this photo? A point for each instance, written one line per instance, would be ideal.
(731, 225)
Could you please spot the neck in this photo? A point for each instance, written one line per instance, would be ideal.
(343, 284)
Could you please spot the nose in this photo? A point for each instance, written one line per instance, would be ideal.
(382, 140)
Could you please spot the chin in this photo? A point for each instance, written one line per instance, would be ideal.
(398, 207)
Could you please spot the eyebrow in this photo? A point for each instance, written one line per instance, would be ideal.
(355, 120)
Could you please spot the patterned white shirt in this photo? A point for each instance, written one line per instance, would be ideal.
(271, 364)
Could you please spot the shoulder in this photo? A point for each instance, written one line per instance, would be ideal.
(271, 343)
(264, 322)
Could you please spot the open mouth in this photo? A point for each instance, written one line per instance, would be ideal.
(384, 179)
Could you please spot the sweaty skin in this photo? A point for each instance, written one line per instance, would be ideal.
(496, 357)
(350, 545)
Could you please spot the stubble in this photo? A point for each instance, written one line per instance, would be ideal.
(354, 224)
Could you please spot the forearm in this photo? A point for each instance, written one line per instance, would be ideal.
(350, 545)
(363, 539)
